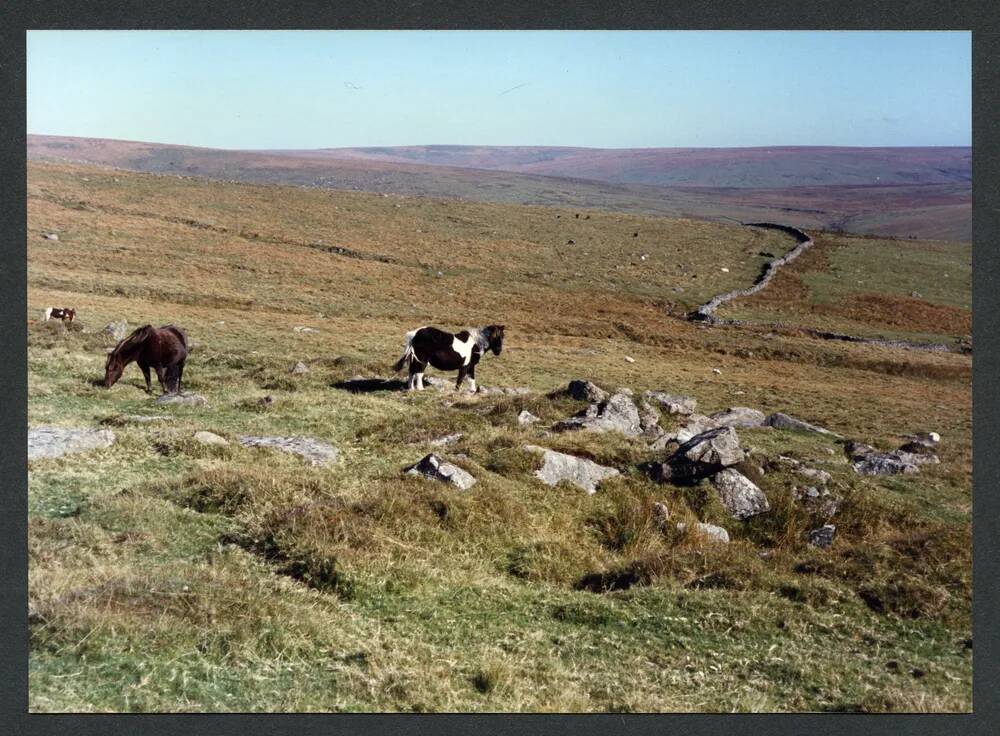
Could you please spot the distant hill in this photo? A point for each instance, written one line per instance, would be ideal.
(924, 193)
(778, 166)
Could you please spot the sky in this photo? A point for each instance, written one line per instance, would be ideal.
(605, 89)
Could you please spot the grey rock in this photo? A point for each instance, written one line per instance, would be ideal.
(304, 329)
(51, 442)
(503, 390)
(210, 438)
(703, 455)
(783, 421)
(818, 501)
(586, 390)
(617, 414)
(526, 418)
(741, 496)
(300, 367)
(448, 439)
(649, 421)
(660, 514)
(315, 452)
(51, 236)
(116, 330)
(671, 403)
(884, 463)
(182, 399)
(815, 474)
(739, 416)
(433, 467)
(558, 466)
(707, 532)
(822, 537)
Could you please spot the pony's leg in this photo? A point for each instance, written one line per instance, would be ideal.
(417, 372)
(145, 372)
(472, 377)
(161, 379)
(462, 373)
(416, 375)
(180, 375)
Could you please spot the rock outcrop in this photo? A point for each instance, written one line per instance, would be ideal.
(703, 455)
(618, 413)
(314, 451)
(51, 442)
(740, 496)
(558, 467)
(433, 467)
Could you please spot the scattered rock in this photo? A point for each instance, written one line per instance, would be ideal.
(783, 421)
(586, 390)
(617, 414)
(183, 399)
(433, 467)
(300, 367)
(738, 416)
(558, 466)
(708, 532)
(316, 452)
(304, 329)
(822, 537)
(883, 463)
(660, 514)
(503, 390)
(818, 501)
(50, 442)
(820, 476)
(448, 439)
(210, 438)
(671, 403)
(629, 359)
(266, 401)
(116, 330)
(741, 496)
(703, 455)
(649, 421)
(51, 236)
(724, 269)
(526, 418)
(716, 371)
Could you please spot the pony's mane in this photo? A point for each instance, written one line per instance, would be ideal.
(135, 338)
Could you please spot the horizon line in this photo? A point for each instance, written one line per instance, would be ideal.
(502, 145)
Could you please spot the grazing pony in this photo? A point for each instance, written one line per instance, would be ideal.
(448, 352)
(163, 349)
(65, 314)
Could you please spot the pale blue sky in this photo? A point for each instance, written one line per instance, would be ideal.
(313, 89)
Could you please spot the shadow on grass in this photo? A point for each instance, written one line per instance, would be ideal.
(369, 385)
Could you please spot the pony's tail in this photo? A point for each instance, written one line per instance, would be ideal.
(407, 355)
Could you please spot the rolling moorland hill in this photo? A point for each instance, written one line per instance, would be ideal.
(923, 193)
(772, 167)
(168, 574)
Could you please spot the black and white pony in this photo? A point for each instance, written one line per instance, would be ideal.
(447, 352)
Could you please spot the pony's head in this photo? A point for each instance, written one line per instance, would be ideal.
(114, 366)
(494, 334)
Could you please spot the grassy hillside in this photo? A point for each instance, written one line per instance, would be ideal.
(923, 201)
(170, 575)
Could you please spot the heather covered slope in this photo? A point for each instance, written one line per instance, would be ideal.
(167, 574)
(924, 193)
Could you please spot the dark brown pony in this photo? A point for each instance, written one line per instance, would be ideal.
(163, 349)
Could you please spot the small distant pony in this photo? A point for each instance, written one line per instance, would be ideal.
(65, 314)
(448, 352)
(163, 349)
